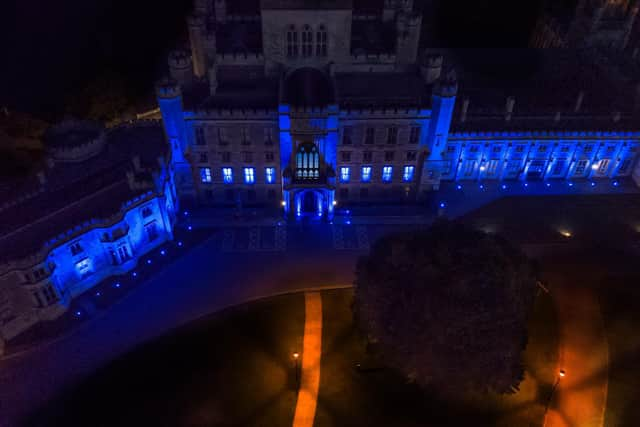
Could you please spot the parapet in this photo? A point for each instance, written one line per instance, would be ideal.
(168, 88)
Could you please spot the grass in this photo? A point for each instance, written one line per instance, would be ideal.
(383, 398)
(231, 369)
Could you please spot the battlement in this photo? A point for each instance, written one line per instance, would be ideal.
(179, 59)
(386, 58)
(228, 113)
(356, 113)
(546, 134)
(240, 59)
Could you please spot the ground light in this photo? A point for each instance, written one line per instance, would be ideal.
(504, 186)
(189, 228)
(526, 184)
(148, 261)
(134, 274)
(283, 203)
(570, 184)
(616, 183)
(442, 205)
(186, 213)
(561, 375)
(179, 243)
(548, 184)
(296, 359)
(335, 202)
(593, 184)
(116, 285)
(565, 233)
(482, 186)
(98, 293)
(78, 313)
(162, 252)
(459, 187)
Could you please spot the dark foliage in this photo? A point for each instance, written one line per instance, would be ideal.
(448, 307)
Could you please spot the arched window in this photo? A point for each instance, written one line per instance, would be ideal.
(307, 162)
(307, 41)
(321, 41)
(292, 42)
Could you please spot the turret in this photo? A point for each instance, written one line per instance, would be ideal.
(407, 37)
(213, 79)
(443, 102)
(210, 46)
(389, 10)
(180, 67)
(431, 68)
(197, 26)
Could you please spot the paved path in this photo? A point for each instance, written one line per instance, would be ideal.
(311, 353)
(581, 396)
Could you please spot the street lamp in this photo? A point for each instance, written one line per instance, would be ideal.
(296, 359)
(561, 375)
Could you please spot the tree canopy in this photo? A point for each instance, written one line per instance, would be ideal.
(448, 307)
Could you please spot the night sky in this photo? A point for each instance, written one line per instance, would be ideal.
(55, 47)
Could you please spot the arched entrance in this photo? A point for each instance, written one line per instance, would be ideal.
(309, 203)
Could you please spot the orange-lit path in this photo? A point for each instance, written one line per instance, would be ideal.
(581, 396)
(311, 353)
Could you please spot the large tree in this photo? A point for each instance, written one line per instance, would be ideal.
(448, 307)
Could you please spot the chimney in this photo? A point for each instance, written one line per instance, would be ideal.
(465, 109)
(579, 102)
(511, 102)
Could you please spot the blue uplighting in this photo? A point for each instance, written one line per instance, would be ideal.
(482, 186)
(348, 222)
(459, 187)
(526, 184)
(348, 211)
(135, 274)
(162, 252)
(179, 243)
(504, 186)
(548, 184)
(571, 184)
(593, 184)
(442, 204)
(78, 313)
(189, 228)
(186, 213)
(148, 261)
(98, 293)
(116, 285)
(616, 183)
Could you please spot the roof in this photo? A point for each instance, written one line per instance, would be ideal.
(76, 192)
(402, 89)
(307, 4)
(308, 87)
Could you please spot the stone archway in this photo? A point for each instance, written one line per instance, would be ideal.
(309, 202)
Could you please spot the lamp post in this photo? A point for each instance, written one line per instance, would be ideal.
(561, 375)
(296, 359)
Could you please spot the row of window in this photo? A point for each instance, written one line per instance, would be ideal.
(389, 156)
(520, 148)
(249, 174)
(387, 173)
(306, 49)
(370, 135)
(223, 138)
(225, 156)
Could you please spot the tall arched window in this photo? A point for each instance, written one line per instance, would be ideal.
(307, 41)
(321, 41)
(292, 42)
(307, 162)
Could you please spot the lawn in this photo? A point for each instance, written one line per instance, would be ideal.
(382, 398)
(230, 369)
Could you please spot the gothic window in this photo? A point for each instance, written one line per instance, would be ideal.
(152, 231)
(205, 175)
(203, 157)
(222, 137)
(227, 175)
(226, 156)
(366, 173)
(345, 156)
(268, 136)
(200, 140)
(244, 136)
(146, 212)
(307, 41)
(75, 248)
(412, 155)
(292, 42)
(388, 156)
(247, 156)
(580, 167)
(407, 173)
(346, 135)
(387, 172)
(269, 156)
(414, 135)
(321, 41)
(307, 162)
(369, 136)
(392, 135)
(367, 156)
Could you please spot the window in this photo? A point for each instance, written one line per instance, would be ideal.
(152, 231)
(307, 162)
(496, 148)
(50, 294)
(75, 248)
(451, 148)
(346, 135)
(321, 41)
(345, 156)
(624, 167)
(38, 273)
(222, 137)
(611, 149)
(392, 135)
(200, 140)
(123, 252)
(203, 158)
(414, 135)
(520, 148)
(247, 156)
(364, 193)
(542, 148)
(387, 172)
(344, 193)
(580, 167)
(205, 175)
(388, 156)
(307, 41)
(345, 174)
(474, 149)
(407, 173)
(565, 148)
(370, 136)
(367, 156)
(208, 194)
(588, 148)
(411, 155)
(227, 175)
(268, 156)
(366, 173)
(226, 156)
(249, 176)
(292, 42)
(146, 212)
(244, 136)
(603, 167)
(271, 194)
(230, 195)
(558, 167)
(268, 136)
(251, 195)
(270, 175)
(83, 267)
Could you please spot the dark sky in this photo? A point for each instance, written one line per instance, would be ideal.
(52, 47)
